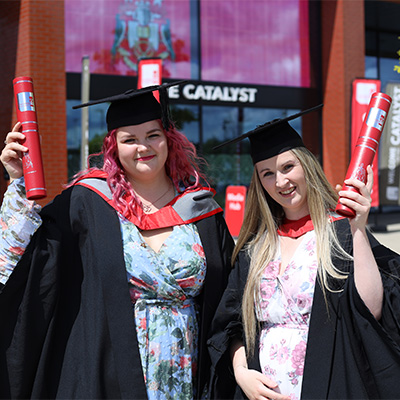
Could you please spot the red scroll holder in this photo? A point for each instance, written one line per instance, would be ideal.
(367, 145)
(32, 160)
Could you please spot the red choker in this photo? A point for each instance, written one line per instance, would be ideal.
(295, 229)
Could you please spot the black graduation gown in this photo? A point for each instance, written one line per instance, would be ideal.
(67, 327)
(350, 355)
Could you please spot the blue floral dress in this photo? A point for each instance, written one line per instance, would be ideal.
(163, 286)
(284, 311)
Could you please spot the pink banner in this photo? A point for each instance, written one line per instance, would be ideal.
(257, 42)
(115, 34)
(252, 41)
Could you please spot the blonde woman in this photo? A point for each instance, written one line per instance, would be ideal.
(311, 310)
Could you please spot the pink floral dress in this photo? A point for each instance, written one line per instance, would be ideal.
(284, 308)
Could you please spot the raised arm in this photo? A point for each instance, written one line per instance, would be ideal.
(19, 216)
(366, 273)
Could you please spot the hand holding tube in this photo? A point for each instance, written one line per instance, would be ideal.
(360, 201)
(11, 156)
(366, 146)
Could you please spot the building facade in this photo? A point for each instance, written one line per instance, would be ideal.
(243, 62)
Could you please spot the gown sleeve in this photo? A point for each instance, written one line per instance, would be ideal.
(350, 353)
(227, 326)
(378, 341)
(389, 264)
(19, 219)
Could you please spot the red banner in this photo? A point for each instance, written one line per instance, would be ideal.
(362, 91)
(235, 200)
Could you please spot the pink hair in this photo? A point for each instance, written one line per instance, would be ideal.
(182, 166)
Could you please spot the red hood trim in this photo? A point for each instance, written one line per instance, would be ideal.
(165, 217)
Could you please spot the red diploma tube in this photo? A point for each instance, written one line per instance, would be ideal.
(31, 160)
(367, 145)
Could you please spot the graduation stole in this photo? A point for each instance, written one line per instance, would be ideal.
(295, 229)
(189, 206)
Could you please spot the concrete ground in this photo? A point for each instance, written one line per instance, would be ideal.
(386, 228)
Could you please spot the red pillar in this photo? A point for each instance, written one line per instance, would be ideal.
(35, 43)
(343, 60)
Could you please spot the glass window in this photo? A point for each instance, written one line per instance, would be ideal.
(382, 43)
(387, 71)
(186, 118)
(259, 116)
(371, 67)
(253, 41)
(97, 131)
(220, 124)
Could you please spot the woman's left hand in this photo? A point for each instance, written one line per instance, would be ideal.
(360, 202)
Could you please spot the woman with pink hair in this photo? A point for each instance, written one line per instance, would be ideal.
(114, 295)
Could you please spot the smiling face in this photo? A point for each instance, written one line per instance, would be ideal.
(282, 176)
(142, 151)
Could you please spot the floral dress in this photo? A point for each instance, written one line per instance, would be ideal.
(284, 311)
(163, 286)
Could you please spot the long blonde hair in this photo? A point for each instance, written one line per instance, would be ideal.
(259, 237)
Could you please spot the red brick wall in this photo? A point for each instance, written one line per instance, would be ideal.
(36, 48)
(343, 60)
(9, 16)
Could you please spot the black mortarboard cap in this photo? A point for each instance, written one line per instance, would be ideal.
(272, 138)
(136, 106)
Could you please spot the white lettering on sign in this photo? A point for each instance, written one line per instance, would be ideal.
(395, 122)
(235, 206)
(235, 197)
(173, 92)
(393, 160)
(217, 93)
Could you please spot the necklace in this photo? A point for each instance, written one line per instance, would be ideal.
(148, 207)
